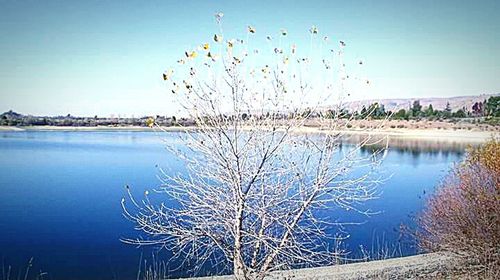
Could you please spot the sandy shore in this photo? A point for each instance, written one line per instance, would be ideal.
(10, 128)
(422, 133)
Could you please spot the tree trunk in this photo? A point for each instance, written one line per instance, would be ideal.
(238, 263)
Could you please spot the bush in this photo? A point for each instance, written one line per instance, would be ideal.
(462, 216)
(487, 155)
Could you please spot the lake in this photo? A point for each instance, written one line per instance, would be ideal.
(61, 191)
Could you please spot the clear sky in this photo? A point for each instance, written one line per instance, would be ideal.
(106, 57)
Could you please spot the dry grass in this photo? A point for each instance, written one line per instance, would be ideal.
(462, 217)
(8, 273)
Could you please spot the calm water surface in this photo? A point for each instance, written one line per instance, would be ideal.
(61, 191)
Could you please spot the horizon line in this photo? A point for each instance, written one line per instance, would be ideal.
(119, 115)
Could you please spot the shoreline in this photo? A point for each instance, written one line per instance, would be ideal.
(403, 133)
(424, 266)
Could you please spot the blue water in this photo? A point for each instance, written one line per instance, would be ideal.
(60, 198)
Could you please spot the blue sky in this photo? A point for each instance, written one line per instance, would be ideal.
(106, 57)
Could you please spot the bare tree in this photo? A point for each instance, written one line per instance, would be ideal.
(265, 161)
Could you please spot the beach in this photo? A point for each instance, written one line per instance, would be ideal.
(430, 133)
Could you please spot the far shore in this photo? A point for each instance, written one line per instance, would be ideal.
(75, 128)
(466, 136)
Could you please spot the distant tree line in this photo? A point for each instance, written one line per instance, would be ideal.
(488, 108)
(11, 118)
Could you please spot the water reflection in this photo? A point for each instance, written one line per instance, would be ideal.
(414, 147)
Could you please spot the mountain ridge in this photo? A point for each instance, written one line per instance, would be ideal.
(438, 103)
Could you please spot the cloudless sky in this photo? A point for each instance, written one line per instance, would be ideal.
(106, 57)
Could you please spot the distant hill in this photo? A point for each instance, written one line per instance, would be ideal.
(438, 103)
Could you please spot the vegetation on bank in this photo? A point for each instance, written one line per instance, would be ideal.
(11, 118)
(487, 111)
(462, 217)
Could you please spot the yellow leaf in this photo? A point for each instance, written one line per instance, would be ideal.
(150, 122)
(191, 54)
